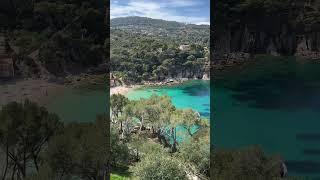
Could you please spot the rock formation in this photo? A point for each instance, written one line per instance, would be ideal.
(290, 28)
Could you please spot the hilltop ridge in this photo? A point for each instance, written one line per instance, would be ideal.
(185, 33)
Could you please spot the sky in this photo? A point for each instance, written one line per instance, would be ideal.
(186, 11)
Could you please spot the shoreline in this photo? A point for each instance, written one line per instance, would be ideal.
(125, 89)
(37, 90)
(43, 92)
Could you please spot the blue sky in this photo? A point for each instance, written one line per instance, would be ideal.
(187, 11)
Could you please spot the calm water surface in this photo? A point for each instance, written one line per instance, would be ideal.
(275, 103)
(84, 104)
(79, 105)
(193, 94)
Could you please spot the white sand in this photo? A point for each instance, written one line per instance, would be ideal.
(121, 90)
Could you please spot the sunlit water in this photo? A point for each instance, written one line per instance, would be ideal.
(274, 103)
(193, 94)
(85, 104)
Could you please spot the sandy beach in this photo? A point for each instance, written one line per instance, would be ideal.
(38, 90)
(121, 89)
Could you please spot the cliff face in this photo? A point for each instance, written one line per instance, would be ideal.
(200, 73)
(255, 40)
(266, 27)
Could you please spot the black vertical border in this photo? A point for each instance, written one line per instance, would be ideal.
(212, 7)
(107, 76)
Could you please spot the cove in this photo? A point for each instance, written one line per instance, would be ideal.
(194, 94)
(271, 102)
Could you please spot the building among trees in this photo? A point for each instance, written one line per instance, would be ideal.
(184, 47)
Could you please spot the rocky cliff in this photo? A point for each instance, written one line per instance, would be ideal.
(288, 27)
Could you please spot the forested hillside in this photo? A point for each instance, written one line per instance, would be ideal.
(184, 33)
(54, 37)
(145, 49)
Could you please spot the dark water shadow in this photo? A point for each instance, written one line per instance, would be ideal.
(311, 152)
(303, 167)
(197, 89)
(289, 94)
(308, 137)
(205, 114)
(279, 86)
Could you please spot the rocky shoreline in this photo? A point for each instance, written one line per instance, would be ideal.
(221, 61)
(124, 89)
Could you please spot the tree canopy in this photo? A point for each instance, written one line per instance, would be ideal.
(68, 35)
(149, 128)
(34, 144)
(141, 53)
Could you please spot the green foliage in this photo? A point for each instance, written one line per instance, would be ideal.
(25, 129)
(249, 163)
(157, 120)
(64, 53)
(118, 102)
(119, 150)
(28, 41)
(37, 146)
(169, 30)
(68, 34)
(142, 57)
(79, 151)
(44, 173)
(118, 177)
(196, 153)
(162, 166)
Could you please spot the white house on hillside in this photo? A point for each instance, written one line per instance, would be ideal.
(184, 47)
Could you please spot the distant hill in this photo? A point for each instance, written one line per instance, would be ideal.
(146, 49)
(143, 21)
(185, 33)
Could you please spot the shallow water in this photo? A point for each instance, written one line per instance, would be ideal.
(275, 103)
(79, 105)
(83, 105)
(193, 94)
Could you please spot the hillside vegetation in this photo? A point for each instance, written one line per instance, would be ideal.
(145, 49)
(64, 37)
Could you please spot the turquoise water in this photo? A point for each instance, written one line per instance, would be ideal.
(193, 94)
(79, 105)
(83, 105)
(274, 103)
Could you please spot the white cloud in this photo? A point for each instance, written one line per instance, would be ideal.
(157, 10)
(181, 3)
(203, 23)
